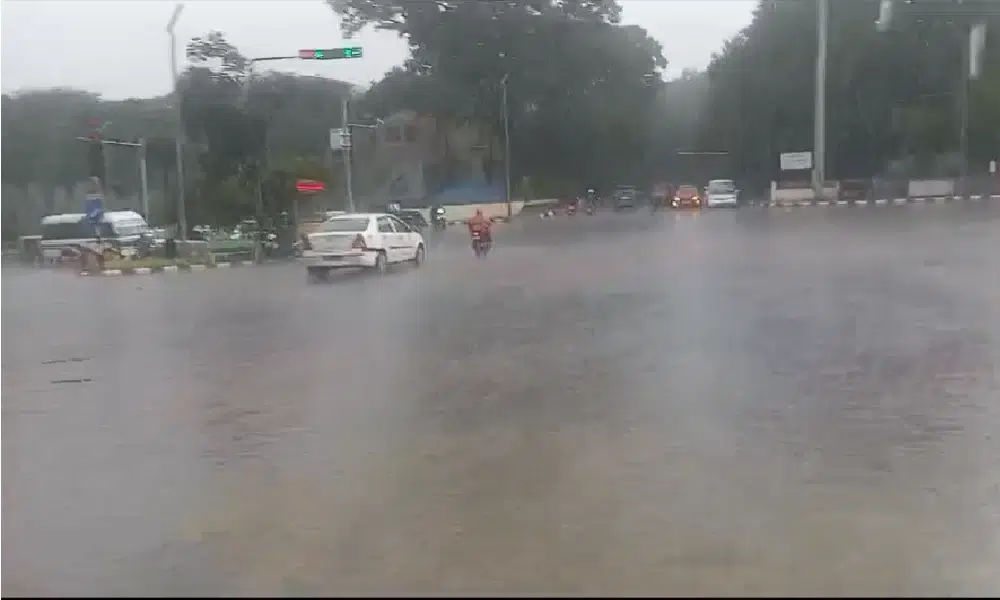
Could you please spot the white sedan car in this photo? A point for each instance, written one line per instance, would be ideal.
(361, 240)
(721, 192)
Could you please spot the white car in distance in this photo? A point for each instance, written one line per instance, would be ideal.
(721, 192)
(360, 240)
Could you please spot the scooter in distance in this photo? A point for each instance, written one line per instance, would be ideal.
(439, 220)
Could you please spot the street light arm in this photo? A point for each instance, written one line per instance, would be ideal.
(174, 17)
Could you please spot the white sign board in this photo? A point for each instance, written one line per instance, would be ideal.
(340, 138)
(796, 161)
(993, 166)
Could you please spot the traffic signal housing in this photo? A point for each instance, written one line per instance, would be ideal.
(330, 53)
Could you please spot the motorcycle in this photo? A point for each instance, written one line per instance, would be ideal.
(590, 208)
(480, 245)
(571, 209)
(439, 220)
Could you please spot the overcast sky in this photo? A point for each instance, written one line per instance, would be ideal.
(119, 48)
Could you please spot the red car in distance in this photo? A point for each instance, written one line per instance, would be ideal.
(687, 196)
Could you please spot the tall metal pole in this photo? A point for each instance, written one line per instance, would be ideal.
(506, 152)
(179, 132)
(963, 132)
(819, 122)
(346, 150)
(144, 179)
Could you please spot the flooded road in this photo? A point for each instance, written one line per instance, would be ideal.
(751, 402)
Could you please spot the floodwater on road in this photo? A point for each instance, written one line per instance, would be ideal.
(735, 402)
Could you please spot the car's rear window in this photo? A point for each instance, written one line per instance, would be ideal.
(345, 225)
(687, 189)
(721, 186)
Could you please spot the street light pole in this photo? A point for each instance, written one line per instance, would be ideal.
(819, 119)
(963, 133)
(506, 142)
(972, 39)
(179, 133)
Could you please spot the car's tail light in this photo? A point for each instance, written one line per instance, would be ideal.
(359, 243)
(306, 244)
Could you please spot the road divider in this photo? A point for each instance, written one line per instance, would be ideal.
(181, 268)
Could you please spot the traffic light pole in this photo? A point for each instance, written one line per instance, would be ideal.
(333, 53)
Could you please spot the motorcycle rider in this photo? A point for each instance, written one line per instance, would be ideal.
(437, 216)
(478, 223)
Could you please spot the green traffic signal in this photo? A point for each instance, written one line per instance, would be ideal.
(331, 53)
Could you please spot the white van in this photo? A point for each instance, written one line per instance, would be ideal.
(118, 234)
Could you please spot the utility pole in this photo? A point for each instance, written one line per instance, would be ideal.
(179, 129)
(506, 143)
(819, 119)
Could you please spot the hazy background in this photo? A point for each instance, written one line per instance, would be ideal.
(120, 49)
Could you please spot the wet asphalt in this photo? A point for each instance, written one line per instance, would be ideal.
(800, 401)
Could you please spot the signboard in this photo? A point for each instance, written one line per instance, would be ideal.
(309, 185)
(993, 166)
(796, 161)
(93, 206)
(340, 138)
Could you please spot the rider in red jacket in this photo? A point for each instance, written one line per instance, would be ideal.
(478, 223)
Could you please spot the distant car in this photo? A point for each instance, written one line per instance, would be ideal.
(721, 192)
(413, 218)
(686, 196)
(360, 240)
(625, 196)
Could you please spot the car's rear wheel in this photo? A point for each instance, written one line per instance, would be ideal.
(381, 262)
(420, 256)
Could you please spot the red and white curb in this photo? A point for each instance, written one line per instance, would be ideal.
(170, 269)
(884, 201)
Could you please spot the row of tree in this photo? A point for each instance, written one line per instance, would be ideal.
(587, 103)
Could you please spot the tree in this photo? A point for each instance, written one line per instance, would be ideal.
(580, 87)
(761, 91)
